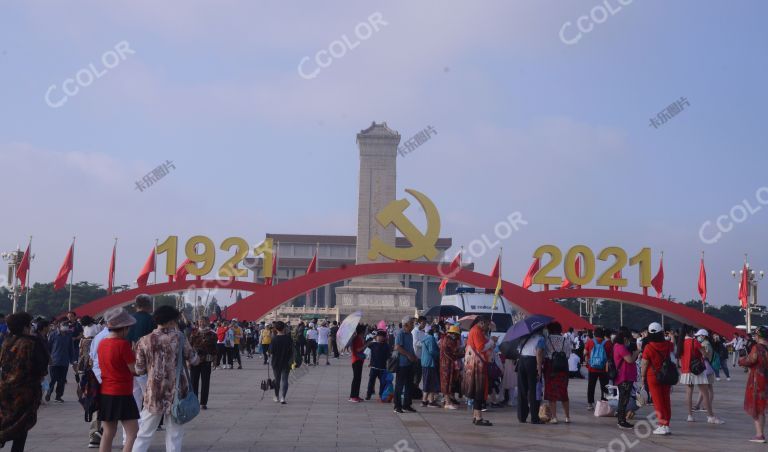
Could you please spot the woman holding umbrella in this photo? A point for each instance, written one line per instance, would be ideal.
(477, 356)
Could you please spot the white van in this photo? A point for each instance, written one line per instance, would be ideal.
(477, 302)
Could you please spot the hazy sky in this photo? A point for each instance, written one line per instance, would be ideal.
(526, 122)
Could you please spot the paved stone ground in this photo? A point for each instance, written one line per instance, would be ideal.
(318, 418)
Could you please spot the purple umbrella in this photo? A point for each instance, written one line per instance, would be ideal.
(526, 326)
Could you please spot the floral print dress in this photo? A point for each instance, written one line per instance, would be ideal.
(23, 364)
(756, 393)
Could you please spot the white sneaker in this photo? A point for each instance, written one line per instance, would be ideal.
(275, 399)
(714, 420)
(728, 379)
(690, 418)
(660, 430)
(717, 379)
(667, 431)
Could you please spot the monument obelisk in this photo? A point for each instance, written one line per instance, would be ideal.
(379, 297)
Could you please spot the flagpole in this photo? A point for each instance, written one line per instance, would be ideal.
(114, 248)
(29, 276)
(277, 262)
(703, 299)
(154, 266)
(72, 274)
(317, 266)
(496, 295)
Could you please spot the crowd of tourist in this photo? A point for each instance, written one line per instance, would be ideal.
(443, 366)
(133, 369)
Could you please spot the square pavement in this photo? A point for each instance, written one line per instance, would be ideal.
(318, 418)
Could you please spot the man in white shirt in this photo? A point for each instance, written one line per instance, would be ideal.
(311, 352)
(738, 344)
(323, 333)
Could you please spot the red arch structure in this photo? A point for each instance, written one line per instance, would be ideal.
(676, 311)
(266, 298)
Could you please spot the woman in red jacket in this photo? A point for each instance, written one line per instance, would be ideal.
(656, 350)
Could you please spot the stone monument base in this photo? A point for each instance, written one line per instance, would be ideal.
(377, 302)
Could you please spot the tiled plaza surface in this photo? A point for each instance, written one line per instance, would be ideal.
(318, 418)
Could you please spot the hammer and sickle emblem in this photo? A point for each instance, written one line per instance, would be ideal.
(421, 244)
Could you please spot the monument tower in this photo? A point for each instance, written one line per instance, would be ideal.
(380, 297)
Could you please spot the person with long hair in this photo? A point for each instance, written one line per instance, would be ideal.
(476, 358)
(556, 381)
(656, 350)
(626, 373)
(690, 350)
(756, 393)
(23, 364)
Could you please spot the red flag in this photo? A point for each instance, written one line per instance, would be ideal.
(744, 287)
(703, 282)
(441, 287)
(496, 266)
(66, 268)
(149, 267)
(616, 275)
(658, 281)
(528, 281)
(312, 265)
(181, 272)
(111, 277)
(268, 281)
(577, 264)
(454, 265)
(21, 272)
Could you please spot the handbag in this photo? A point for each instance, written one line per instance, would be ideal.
(603, 409)
(186, 409)
(545, 414)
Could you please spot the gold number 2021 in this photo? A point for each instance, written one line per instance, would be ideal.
(609, 278)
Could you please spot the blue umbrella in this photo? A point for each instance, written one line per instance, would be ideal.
(526, 326)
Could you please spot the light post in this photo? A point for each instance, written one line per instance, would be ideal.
(14, 259)
(752, 280)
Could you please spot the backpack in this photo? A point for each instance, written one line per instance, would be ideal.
(559, 360)
(597, 358)
(667, 374)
